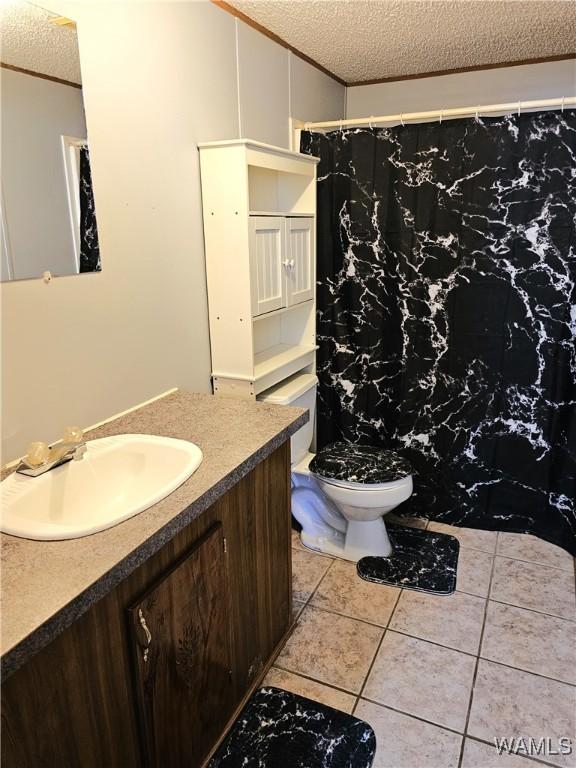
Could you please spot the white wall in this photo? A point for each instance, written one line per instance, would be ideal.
(491, 86)
(35, 114)
(264, 87)
(313, 94)
(158, 78)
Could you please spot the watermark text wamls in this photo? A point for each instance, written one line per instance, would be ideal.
(544, 746)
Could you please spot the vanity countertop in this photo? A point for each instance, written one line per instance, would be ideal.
(47, 585)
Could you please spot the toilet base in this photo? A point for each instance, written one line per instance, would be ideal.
(367, 538)
(362, 539)
(326, 529)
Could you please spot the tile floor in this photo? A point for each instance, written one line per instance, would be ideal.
(439, 677)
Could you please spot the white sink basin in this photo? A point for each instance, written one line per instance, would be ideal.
(118, 477)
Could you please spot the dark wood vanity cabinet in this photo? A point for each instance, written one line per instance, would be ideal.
(182, 656)
(152, 674)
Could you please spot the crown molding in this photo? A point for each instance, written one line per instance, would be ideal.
(41, 75)
(460, 70)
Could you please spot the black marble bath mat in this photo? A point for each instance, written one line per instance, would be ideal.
(421, 560)
(277, 729)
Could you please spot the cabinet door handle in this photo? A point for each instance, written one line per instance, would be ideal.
(147, 635)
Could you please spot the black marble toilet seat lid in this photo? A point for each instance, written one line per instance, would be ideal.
(365, 464)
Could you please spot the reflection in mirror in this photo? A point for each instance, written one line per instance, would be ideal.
(47, 215)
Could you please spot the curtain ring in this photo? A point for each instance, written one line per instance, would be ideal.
(563, 97)
(370, 122)
(477, 111)
(340, 125)
(440, 117)
(402, 119)
(519, 103)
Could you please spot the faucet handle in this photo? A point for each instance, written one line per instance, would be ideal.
(37, 454)
(73, 435)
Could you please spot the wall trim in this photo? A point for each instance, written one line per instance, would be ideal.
(41, 75)
(263, 30)
(237, 44)
(460, 70)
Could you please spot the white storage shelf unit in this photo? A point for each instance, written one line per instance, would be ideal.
(259, 205)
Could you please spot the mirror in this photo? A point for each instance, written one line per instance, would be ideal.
(47, 214)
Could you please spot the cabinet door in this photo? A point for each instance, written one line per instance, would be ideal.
(266, 264)
(181, 632)
(300, 259)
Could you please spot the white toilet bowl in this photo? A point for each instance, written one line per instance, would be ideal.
(338, 501)
(364, 507)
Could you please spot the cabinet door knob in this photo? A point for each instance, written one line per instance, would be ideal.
(147, 639)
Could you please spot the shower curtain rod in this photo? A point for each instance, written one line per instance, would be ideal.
(440, 114)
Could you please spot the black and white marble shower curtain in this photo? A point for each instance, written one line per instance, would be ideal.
(89, 245)
(446, 312)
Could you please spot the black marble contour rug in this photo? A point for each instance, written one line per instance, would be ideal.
(421, 560)
(277, 729)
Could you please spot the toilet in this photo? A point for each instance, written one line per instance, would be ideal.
(341, 494)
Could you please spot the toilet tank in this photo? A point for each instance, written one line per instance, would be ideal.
(298, 391)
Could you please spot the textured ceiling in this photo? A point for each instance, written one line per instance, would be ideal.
(369, 39)
(30, 41)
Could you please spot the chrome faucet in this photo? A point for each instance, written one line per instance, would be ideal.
(40, 458)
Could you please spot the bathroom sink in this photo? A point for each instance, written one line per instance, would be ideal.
(118, 477)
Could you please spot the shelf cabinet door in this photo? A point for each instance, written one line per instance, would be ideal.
(182, 657)
(300, 259)
(267, 269)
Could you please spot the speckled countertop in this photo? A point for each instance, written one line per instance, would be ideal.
(47, 585)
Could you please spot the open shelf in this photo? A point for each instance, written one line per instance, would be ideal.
(272, 190)
(276, 363)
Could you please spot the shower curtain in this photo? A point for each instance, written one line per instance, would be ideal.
(446, 312)
(89, 246)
